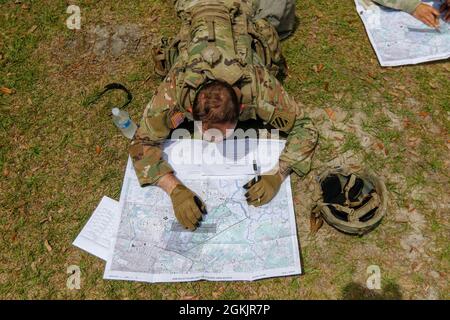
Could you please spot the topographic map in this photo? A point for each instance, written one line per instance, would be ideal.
(234, 241)
(400, 39)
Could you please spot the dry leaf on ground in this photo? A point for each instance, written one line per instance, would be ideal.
(48, 246)
(6, 90)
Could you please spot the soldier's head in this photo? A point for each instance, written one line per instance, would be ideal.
(216, 107)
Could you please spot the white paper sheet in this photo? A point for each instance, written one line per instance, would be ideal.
(97, 235)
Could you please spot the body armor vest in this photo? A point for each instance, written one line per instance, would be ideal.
(218, 41)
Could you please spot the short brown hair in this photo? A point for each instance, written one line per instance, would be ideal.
(216, 102)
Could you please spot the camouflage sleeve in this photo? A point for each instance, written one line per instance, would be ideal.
(275, 107)
(404, 5)
(155, 127)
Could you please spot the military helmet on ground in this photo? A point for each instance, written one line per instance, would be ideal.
(352, 202)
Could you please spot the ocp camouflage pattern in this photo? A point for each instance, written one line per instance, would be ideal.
(222, 40)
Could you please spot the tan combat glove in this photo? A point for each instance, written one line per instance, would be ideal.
(262, 192)
(187, 206)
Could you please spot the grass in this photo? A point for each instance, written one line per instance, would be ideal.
(60, 153)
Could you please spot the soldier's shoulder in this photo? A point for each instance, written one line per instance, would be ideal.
(164, 98)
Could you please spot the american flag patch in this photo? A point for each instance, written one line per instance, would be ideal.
(177, 119)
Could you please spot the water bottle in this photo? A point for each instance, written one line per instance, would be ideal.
(122, 121)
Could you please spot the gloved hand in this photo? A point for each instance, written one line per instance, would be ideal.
(187, 206)
(262, 192)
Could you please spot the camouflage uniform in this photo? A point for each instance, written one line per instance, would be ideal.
(245, 53)
(404, 5)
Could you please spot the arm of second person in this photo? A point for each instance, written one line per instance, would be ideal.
(421, 11)
(403, 5)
